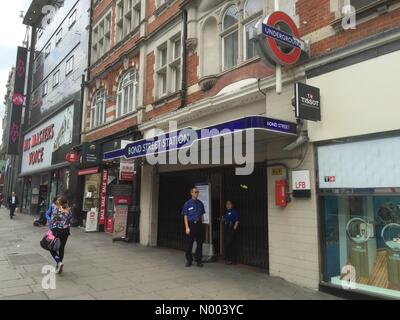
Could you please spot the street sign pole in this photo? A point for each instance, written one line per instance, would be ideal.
(278, 69)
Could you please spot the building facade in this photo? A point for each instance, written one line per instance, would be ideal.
(198, 66)
(117, 80)
(10, 163)
(59, 47)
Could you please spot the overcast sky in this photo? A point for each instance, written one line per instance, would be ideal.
(11, 36)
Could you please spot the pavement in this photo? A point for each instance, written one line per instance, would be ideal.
(98, 269)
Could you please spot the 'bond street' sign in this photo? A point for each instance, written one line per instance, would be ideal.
(279, 40)
(307, 102)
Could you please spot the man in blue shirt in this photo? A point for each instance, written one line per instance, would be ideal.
(231, 227)
(193, 212)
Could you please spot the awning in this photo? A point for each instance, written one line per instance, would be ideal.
(86, 172)
(45, 170)
(183, 138)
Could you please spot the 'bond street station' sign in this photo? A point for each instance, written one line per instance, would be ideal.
(307, 102)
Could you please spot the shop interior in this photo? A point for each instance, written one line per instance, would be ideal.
(363, 231)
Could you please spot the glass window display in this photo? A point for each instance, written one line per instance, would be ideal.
(362, 234)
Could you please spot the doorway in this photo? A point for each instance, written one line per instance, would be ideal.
(249, 194)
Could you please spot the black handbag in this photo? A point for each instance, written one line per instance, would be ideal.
(50, 243)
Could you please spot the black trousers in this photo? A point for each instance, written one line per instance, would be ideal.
(63, 235)
(12, 210)
(230, 243)
(196, 234)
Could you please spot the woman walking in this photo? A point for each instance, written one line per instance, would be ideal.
(60, 227)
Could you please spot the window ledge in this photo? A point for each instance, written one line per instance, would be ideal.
(163, 7)
(166, 99)
(112, 122)
(379, 6)
(240, 65)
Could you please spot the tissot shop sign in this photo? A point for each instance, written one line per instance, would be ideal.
(41, 142)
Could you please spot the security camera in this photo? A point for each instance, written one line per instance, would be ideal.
(302, 139)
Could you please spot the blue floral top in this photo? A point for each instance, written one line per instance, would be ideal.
(59, 219)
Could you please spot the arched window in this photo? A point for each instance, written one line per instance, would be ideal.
(230, 37)
(253, 10)
(128, 90)
(98, 109)
(252, 7)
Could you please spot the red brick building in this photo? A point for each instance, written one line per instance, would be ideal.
(195, 62)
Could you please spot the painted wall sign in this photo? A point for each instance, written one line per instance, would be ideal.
(307, 102)
(18, 101)
(40, 143)
(103, 197)
(278, 40)
(177, 140)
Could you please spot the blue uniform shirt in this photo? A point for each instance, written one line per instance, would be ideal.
(231, 216)
(194, 210)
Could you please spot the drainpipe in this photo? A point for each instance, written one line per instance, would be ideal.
(184, 59)
(90, 39)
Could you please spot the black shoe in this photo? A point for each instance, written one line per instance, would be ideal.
(188, 264)
(200, 265)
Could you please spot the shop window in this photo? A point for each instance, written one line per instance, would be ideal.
(362, 242)
(98, 109)
(128, 91)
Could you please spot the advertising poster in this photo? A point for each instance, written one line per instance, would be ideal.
(121, 221)
(127, 167)
(204, 196)
(92, 220)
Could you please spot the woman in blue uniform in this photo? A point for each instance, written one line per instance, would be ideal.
(231, 226)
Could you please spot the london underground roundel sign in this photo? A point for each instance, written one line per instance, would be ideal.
(284, 46)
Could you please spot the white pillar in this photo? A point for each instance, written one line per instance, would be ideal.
(149, 206)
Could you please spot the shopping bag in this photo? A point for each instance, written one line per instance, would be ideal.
(49, 242)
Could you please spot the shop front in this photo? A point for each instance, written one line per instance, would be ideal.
(359, 189)
(44, 169)
(166, 186)
(109, 195)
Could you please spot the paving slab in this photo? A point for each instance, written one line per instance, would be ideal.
(97, 268)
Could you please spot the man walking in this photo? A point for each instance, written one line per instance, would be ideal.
(13, 204)
(193, 212)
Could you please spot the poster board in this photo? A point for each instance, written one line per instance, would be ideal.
(92, 220)
(205, 197)
(120, 222)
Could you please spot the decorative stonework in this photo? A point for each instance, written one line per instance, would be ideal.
(207, 82)
(191, 44)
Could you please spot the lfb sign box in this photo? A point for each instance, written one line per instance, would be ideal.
(301, 184)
